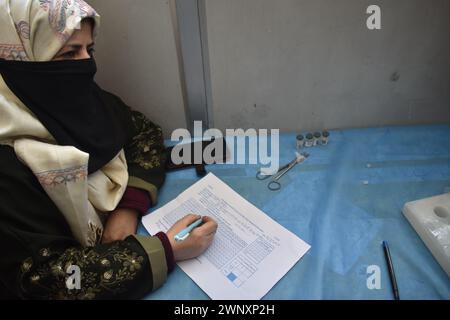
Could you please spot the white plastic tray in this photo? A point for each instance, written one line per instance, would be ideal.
(430, 218)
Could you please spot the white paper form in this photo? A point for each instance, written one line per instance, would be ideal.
(250, 252)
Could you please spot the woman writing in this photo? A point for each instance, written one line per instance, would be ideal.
(77, 166)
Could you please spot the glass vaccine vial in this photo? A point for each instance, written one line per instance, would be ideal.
(317, 137)
(325, 136)
(309, 142)
(300, 141)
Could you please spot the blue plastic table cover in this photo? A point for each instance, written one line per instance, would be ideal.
(344, 200)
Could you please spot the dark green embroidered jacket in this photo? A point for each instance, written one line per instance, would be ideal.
(37, 246)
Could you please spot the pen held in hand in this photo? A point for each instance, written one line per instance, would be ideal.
(183, 234)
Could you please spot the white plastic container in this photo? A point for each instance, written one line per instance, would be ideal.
(430, 218)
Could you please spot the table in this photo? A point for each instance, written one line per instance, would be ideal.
(344, 200)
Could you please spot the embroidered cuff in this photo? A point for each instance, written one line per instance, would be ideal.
(170, 260)
(136, 199)
(155, 252)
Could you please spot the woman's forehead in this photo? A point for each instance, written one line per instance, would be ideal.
(82, 35)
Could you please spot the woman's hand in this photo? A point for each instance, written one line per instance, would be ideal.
(121, 223)
(198, 240)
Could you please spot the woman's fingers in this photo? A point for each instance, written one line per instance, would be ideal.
(182, 224)
(209, 227)
(199, 240)
(190, 218)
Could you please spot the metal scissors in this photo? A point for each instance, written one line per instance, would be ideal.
(274, 184)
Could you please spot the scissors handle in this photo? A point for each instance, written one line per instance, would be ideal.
(261, 176)
(274, 185)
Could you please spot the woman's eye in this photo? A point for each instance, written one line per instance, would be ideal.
(91, 51)
(69, 54)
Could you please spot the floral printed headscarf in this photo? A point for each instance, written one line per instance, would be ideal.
(35, 30)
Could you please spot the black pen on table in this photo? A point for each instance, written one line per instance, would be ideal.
(387, 255)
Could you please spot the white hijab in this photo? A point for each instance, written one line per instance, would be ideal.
(35, 30)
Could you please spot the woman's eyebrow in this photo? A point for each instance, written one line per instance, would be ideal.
(72, 47)
(75, 46)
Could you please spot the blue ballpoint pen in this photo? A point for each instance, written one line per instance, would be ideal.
(183, 234)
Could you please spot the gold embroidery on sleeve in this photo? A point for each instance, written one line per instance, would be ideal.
(147, 147)
(100, 271)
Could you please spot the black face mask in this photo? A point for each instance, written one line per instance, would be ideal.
(71, 106)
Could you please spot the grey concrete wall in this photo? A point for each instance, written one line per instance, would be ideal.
(137, 58)
(288, 64)
(306, 64)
